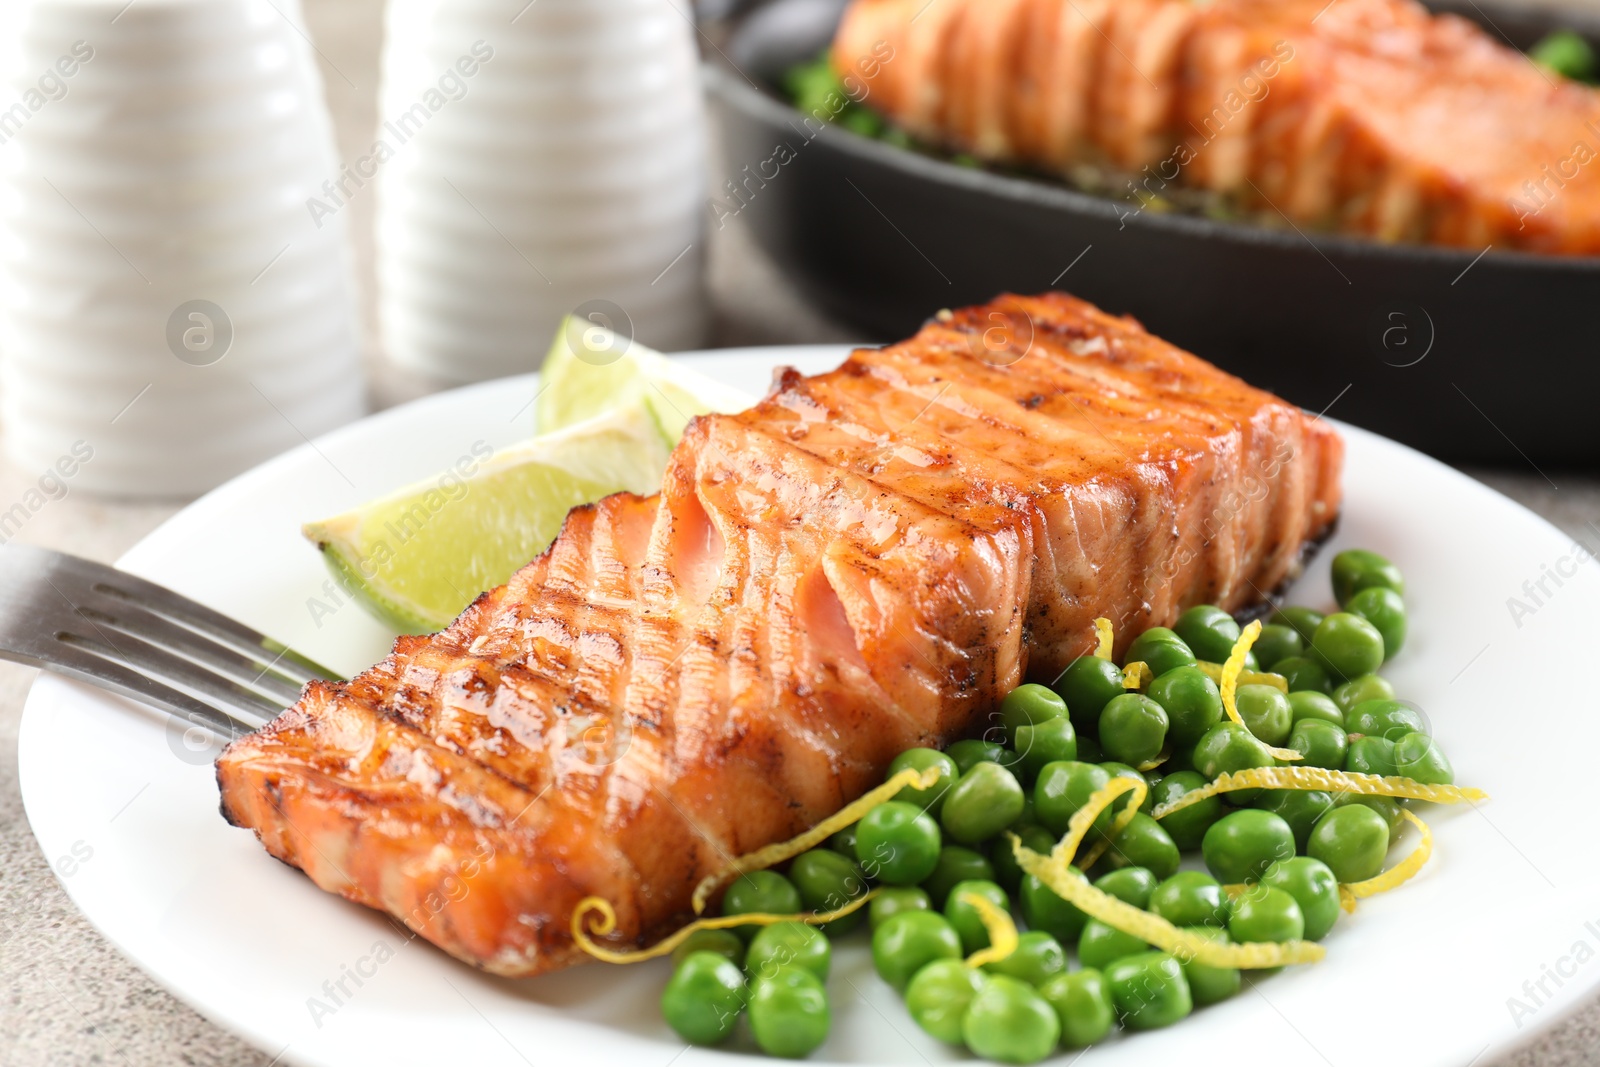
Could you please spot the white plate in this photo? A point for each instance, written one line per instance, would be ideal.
(1432, 974)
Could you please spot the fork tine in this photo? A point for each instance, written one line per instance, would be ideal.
(85, 666)
(179, 609)
(152, 661)
(254, 672)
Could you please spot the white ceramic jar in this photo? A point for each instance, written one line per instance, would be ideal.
(534, 163)
(168, 301)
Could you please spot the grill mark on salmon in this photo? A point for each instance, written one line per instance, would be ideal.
(864, 561)
(1369, 117)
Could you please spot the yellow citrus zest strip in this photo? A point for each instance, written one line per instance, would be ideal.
(1102, 629)
(1082, 819)
(1347, 899)
(1322, 778)
(1002, 931)
(763, 858)
(1401, 872)
(1137, 675)
(1214, 672)
(1161, 757)
(1052, 871)
(1277, 681)
(1231, 672)
(607, 922)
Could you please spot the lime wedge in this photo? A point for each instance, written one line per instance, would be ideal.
(419, 556)
(590, 370)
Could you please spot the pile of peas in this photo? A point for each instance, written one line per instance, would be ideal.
(1048, 751)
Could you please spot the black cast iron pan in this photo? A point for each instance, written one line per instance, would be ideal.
(1473, 357)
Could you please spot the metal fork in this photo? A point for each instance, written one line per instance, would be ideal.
(87, 621)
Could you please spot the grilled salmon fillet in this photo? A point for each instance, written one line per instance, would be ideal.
(1370, 117)
(865, 561)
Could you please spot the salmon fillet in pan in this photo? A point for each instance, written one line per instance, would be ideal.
(866, 560)
(1370, 117)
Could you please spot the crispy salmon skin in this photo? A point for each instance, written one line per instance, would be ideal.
(865, 561)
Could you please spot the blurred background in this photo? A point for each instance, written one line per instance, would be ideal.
(66, 996)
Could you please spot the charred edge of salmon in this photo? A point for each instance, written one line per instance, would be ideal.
(1309, 551)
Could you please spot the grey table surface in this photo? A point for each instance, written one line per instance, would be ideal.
(67, 997)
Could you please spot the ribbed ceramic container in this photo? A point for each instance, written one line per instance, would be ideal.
(535, 163)
(171, 300)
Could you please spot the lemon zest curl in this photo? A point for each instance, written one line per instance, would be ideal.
(607, 922)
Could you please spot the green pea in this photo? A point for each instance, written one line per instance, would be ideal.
(1352, 840)
(940, 995)
(930, 799)
(1133, 728)
(1209, 632)
(1027, 817)
(1037, 957)
(1388, 808)
(1357, 690)
(1064, 787)
(703, 998)
(1043, 909)
(1009, 1022)
(1263, 913)
(1006, 870)
(1131, 885)
(1122, 770)
(1028, 705)
(1266, 712)
(724, 943)
(1322, 744)
(1240, 846)
(1051, 740)
(896, 900)
(1300, 808)
(1149, 990)
(1302, 621)
(1089, 750)
(1384, 609)
(1228, 747)
(1417, 757)
(788, 945)
(789, 1013)
(897, 843)
(1191, 701)
(1356, 569)
(1304, 674)
(966, 919)
(828, 881)
(1144, 843)
(984, 801)
(1086, 685)
(1208, 984)
(844, 842)
(757, 892)
(1313, 887)
(1348, 645)
(1182, 759)
(971, 752)
(1310, 704)
(1082, 1002)
(1190, 898)
(1389, 719)
(1370, 755)
(1278, 642)
(1188, 826)
(1161, 650)
(955, 864)
(1101, 945)
(909, 941)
